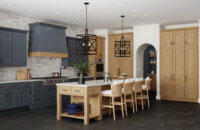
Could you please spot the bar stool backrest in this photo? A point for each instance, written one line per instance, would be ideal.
(128, 87)
(148, 84)
(117, 89)
(138, 86)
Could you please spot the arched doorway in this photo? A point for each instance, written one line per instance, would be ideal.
(146, 66)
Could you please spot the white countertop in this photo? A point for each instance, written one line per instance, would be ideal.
(19, 81)
(91, 83)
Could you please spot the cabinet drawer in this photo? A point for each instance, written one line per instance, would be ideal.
(94, 90)
(76, 91)
(66, 90)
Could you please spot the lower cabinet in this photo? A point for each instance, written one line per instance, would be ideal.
(2, 98)
(14, 95)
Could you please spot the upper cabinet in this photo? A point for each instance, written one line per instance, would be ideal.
(100, 47)
(13, 46)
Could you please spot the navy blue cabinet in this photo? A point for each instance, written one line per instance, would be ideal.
(5, 48)
(14, 95)
(19, 49)
(13, 50)
(2, 97)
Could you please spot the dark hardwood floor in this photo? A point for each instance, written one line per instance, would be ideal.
(163, 115)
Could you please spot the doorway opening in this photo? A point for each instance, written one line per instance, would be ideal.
(146, 66)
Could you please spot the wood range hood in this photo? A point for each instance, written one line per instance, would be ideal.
(47, 40)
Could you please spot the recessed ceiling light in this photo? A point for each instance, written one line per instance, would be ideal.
(145, 15)
(9, 4)
(134, 10)
(57, 13)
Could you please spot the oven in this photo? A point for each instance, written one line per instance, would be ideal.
(99, 68)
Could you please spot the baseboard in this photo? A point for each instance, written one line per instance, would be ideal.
(157, 97)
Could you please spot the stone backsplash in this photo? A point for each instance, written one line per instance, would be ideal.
(40, 67)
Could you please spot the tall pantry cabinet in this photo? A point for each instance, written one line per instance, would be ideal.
(179, 64)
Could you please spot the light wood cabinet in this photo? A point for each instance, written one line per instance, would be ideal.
(100, 54)
(124, 63)
(166, 72)
(179, 64)
(178, 72)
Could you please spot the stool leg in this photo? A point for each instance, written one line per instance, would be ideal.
(142, 102)
(122, 106)
(133, 103)
(135, 94)
(113, 105)
(125, 104)
(110, 102)
(148, 99)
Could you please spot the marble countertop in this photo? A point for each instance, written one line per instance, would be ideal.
(31, 80)
(92, 83)
(19, 81)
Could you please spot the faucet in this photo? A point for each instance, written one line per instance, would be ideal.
(106, 77)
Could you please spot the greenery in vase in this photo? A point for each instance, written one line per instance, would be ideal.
(81, 67)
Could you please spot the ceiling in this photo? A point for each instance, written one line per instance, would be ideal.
(106, 13)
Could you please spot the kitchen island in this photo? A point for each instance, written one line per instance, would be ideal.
(88, 93)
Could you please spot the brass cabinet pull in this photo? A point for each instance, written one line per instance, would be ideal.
(171, 42)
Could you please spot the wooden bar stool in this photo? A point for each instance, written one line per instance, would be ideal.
(128, 93)
(115, 92)
(146, 88)
(137, 89)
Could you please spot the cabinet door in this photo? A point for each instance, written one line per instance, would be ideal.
(24, 96)
(2, 98)
(99, 47)
(178, 72)
(191, 73)
(12, 98)
(191, 38)
(166, 72)
(5, 48)
(166, 39)
(178, 38)
(19, 49)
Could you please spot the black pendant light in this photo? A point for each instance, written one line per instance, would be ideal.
(86, 43)
(123, 46)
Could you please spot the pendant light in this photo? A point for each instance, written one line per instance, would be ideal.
(86, 43)
(123, 46)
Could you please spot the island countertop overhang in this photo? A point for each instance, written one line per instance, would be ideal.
(92, 83)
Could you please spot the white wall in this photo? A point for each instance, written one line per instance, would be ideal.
(147, 34)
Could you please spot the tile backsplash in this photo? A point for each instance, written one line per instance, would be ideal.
(40, 66)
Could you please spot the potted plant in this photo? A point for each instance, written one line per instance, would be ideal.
(82, 68)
